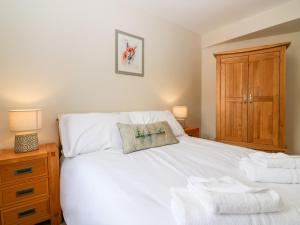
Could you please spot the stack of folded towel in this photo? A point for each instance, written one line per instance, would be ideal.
(229, 196)
(215, 199)
(272, 167)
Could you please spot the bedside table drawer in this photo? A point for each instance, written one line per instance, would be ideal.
(25, 191)
(29, 186)
(30, 214)
(193, 132)
(21, 170)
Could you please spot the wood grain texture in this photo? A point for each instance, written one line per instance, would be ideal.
(27, 190)
(251, 97)
(282, 98)
(29, 186)
(218, 98)
(233, 116)
(192, 131)
(262, 147)
(22, 170)
(54, 185)
(254, 49)
(264, 89)
(27, 214)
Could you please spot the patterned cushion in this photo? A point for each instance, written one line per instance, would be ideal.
(137, 137)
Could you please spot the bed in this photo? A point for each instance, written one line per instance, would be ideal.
(111, 188)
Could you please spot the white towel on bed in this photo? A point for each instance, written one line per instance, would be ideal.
(276, 160)
(223, 184)
(259, 173)
(227, 195)
(187, 210)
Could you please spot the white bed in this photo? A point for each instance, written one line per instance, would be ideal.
(111, 188)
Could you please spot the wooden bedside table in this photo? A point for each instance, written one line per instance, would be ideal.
(29, 186)
(192, 131)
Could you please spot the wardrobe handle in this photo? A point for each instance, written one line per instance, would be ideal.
(250, 98)
(245, 99)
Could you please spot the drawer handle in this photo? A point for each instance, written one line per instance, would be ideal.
(23, 171)
(28, 191)
(28, 212)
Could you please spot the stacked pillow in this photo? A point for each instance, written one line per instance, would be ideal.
(90, 132)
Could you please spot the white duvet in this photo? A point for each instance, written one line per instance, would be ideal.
(111, 188)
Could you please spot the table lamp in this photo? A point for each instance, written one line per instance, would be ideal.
(180, 113)
(25, 124)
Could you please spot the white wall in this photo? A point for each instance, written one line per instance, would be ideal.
(208, 84)
(59, 56)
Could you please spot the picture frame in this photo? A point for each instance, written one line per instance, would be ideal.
(129, 54)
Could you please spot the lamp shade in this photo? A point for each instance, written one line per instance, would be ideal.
(25, 120)
(180, 112)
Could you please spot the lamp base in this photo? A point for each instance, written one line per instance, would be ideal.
(26, 142)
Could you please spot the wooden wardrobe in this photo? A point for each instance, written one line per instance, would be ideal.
(251, 92)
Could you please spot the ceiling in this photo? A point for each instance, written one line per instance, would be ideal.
(288, 27)
(202, 16)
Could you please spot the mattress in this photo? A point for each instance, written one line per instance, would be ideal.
(111, 188)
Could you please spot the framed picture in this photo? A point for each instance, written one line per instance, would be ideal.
(129, 54)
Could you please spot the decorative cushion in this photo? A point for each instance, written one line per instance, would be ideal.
(137, 137)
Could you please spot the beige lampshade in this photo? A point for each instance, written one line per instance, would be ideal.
(180, 112)
(25, 120)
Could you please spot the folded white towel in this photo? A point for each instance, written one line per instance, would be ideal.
(223, 184)
(188, 210)
(259, 173)
(241, 199)
(276, 160)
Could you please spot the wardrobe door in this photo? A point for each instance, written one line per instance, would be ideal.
(234, 85)
(263, 98)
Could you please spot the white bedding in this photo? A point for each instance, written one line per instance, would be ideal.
(111, 188)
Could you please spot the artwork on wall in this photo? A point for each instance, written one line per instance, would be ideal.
(129, 54)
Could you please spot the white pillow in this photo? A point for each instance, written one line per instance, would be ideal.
(157, 116)
(89, 132)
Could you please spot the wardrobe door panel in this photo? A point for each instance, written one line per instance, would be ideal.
(263, 98)
(234, 82)
(263, 122)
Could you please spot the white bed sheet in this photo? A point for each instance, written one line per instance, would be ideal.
(111, 188)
